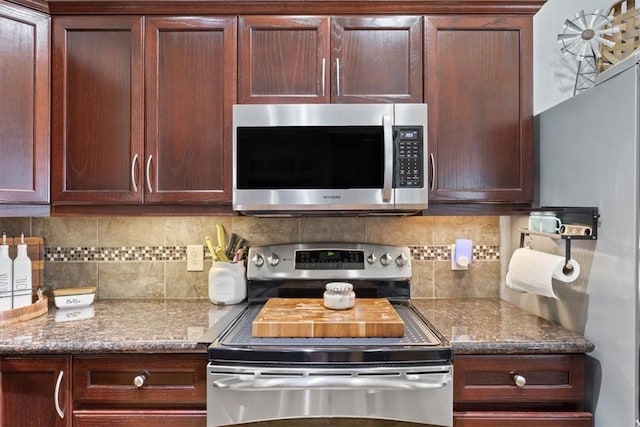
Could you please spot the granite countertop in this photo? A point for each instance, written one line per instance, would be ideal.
(472, 326)
(494, 326)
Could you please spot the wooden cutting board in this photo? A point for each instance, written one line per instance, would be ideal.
(309, 318)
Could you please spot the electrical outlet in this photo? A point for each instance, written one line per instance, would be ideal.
(195, 258)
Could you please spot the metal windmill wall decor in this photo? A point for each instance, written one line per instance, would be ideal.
(582, 37)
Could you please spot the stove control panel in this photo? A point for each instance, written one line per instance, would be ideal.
(329, 261)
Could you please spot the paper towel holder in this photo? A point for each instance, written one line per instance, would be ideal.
(582, 215)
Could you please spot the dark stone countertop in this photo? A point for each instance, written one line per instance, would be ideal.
(494, 326)
(472, 326)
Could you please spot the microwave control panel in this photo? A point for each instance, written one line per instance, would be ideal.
(409, 157)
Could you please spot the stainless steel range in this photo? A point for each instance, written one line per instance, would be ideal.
(408, 378)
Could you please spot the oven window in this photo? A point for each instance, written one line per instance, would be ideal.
(310, 157)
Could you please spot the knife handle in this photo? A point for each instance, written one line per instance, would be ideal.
(214, 257)
(221, 239)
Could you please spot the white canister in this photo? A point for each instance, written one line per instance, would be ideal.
(339, 296)
(227, 283)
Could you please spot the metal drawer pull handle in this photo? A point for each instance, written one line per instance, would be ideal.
(133, 173)
(56, 396)
(519, 380)
(147, 173)
(338, 76)
(140, 379)
(324, 75)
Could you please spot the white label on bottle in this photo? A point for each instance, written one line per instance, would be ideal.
(5, 286)
(20, 283)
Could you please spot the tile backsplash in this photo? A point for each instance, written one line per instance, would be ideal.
(145, 257)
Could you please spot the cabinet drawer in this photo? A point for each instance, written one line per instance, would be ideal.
(124, 418)
(492, 379)
(166, 381)
(518, 419)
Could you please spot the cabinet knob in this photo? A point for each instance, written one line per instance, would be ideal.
(140, 379)
(519, 380)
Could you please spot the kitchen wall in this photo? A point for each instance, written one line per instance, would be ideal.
(554, 73)
(145, 257)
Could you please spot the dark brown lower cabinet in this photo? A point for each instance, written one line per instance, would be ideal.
(35, 391)
(520, 390)
(144, 390)
(139, 390)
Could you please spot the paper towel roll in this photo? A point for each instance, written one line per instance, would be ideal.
(532, 271)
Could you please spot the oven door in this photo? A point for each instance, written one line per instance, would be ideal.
(242, 394)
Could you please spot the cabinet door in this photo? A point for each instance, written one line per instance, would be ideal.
(97, 110)
(36, 391)
(190, 69)
(24, 105)
(283, 59)
(479, 92)
(376, 59)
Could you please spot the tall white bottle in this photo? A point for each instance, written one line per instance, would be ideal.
(22, 280)
(6, 276)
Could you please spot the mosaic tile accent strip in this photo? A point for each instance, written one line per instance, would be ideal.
(126, 253)
(179, 253)
(443, 253)
(430, 253)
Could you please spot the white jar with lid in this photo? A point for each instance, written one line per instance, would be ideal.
(339, 296)
(227, 283)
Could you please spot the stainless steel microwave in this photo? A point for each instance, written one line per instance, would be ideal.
(302, 159)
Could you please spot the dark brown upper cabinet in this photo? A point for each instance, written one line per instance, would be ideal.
(322, 59)
(142, 109)
(190, 71)
(24, 105)
(98, 117)
(479, 90)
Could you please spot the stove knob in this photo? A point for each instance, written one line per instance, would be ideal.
(273, 260)
(401, 260)
(371, 259)
(385, 259)
(257, 260)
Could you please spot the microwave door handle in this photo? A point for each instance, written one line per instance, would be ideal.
(388, 157)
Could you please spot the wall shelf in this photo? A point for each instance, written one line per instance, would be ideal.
(578, 217)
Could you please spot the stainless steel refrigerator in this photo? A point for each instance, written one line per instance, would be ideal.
(589, 155)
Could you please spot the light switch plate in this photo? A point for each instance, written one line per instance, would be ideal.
(195, 258)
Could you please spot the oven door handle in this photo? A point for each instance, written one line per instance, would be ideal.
(409, 382)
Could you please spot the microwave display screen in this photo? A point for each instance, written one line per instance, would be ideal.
(310, 157)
